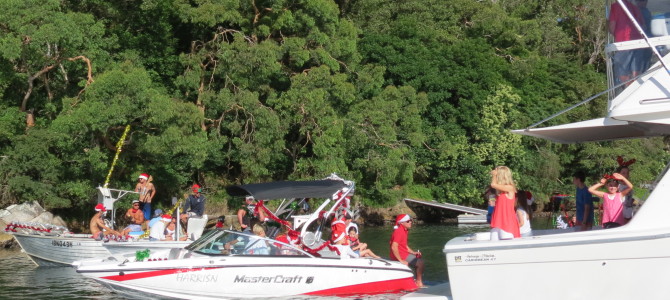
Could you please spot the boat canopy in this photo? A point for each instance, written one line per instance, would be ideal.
(602, 129)
(289, 189)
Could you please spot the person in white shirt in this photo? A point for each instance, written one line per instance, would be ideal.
(157, 232)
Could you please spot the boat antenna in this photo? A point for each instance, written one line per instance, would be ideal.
(119, 145)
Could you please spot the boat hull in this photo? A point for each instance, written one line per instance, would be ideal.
(604, 264)
(253, 276)
(59, 251)
(121, 248)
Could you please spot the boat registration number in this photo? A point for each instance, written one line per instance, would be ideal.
(67, 244)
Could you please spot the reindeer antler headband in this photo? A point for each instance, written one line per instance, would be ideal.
(622, 163)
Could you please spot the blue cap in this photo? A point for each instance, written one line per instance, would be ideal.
(158, 212)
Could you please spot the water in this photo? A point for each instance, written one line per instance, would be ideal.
(21, 279)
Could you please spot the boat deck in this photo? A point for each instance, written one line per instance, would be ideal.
(435, 292)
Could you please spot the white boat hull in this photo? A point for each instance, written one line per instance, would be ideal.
(604, 264)
(254, 276)
(59, 251)
(50, 251)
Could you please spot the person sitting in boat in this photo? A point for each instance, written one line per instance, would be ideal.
(248, 215)
(157, 232)
(613, 199)
(194, 205)
(136, 217)
(290, 237)
(220, 222)
(170, 231)
(359, 248)
(523, 213)
(158, 214)
(257, 244)
(338, 236)
(97, 226)
(401, 252)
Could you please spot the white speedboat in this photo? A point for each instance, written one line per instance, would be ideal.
(222, 264)
(628, 262)
(232, 264)
(48, 245)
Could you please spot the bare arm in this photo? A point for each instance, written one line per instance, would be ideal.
(594, 188)
(240, 216)
(396, 253)
(519, 216)
(626, 182)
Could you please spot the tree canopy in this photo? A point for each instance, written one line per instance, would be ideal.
(412, 98)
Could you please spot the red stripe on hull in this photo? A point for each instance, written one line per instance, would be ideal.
(370, 288)
(141, 275)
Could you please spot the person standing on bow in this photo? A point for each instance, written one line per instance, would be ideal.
(401, 252)
(194, 205)
(504, 222)
(147, 191)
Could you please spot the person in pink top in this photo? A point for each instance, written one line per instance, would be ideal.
(627, 63)
(504, 223)
(613, 199)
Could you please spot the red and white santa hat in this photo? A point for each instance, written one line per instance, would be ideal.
(144, 176)
(100, 207)
(401, 219)
(166, 218)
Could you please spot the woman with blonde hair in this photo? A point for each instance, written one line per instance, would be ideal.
(504, 223)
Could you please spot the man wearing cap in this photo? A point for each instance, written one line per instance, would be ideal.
(97, 226)
(147, 191)
(401, 252)
(157, 232)
(194, 205)
(136, 217)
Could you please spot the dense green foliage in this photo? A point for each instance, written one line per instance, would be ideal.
(408, 98)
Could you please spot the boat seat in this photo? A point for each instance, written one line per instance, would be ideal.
(196, 225)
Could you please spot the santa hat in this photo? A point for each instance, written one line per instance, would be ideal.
(401, 219)
(166, 218)
(195, 188)
(100, 207)
(144, 176)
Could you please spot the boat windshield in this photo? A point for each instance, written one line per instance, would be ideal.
(226, 242)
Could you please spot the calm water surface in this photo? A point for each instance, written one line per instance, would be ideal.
(21, 279)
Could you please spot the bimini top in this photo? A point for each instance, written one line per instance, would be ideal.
(288, 189)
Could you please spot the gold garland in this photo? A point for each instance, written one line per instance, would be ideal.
(119, 145)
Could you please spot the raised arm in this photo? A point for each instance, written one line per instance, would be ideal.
(594, 188)
(625, 181)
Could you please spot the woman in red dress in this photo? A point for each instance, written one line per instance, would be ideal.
(504, 224)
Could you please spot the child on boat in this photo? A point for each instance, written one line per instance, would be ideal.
(613, 199)
(359, 248)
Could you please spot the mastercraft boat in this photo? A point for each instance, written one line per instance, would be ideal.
(229, 264)
(628, 262)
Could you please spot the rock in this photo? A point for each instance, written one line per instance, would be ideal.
(6, 240)
(48, 218)
(24, 212)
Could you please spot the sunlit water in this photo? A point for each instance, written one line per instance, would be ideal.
(21, 279)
